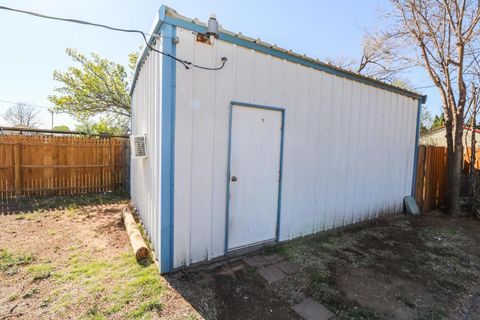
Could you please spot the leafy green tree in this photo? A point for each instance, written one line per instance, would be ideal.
(100, 127)
(61, 128)
(98, 87)
(438, 121)
(425, 119)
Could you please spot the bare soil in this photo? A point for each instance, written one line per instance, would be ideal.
(394, 267)
(68, 259)
(75, 262)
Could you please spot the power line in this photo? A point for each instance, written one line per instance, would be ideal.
(187, 64)
(31, 105)
(425, 87)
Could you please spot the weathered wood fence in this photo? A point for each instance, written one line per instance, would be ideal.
(61, 165)
(467, 157)
(431, 183)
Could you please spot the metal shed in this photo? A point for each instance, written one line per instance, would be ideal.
(271, 147)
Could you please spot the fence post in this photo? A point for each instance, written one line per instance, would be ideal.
(18, 177)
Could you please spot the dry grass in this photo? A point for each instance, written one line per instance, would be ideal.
(73, 260)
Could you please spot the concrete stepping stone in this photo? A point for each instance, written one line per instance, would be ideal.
(288, 267)
(271, 274)
(310, 309)
(255, 261)
(274, 258)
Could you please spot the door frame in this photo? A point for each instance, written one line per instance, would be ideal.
(280, 180)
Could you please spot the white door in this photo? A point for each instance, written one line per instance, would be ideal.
(254, 175)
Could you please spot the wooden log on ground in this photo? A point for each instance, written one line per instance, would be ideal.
(138, 243)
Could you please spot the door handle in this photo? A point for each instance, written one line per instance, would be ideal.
(234, 178)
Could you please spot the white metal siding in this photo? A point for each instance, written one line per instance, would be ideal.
(348, 152)
(146, 119)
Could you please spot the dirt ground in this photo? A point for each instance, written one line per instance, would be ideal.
(394, 267)
(70, 261)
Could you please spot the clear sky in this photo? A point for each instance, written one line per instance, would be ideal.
(32, 48)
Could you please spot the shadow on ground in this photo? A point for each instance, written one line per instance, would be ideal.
(393, 267)
(30, 204)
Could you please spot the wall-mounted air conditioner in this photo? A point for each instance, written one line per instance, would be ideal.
(138, 145)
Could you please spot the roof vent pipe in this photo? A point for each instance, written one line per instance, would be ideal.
(212, 26)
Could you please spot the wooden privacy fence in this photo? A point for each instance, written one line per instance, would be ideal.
(431, 182)
(61, 165)
(467, 157)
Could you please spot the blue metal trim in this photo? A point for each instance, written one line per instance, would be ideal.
(229, 151)
(168, 150)
(280, 182)
(421, 101)
(229, 148)
(155, 29)
(251, 105)
(292, 57)
(164, 18)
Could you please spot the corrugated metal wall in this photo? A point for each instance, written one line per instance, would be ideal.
(348, 153)
(146, 119)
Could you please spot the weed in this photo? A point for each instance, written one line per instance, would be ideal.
(434, 314)
(360, 314)
(12, 271)
(45, 303)
(13, 297)
(27, 216)
(40, 271)
(10, 261)
(437, 233)
(30, 293)
(405, 301)
(278, 249)
(145, 308)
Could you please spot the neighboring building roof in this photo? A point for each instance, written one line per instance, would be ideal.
(443, 128)
(437, 137)
(170, 16)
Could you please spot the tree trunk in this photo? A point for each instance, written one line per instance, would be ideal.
(455, 160)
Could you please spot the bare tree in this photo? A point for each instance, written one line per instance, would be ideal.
(378, 59)
(444, 35)
(22, 114)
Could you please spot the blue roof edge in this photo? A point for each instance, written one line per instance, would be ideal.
(154, 29)
(238, 39)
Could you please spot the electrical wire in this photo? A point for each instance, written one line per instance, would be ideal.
(187, 64)
(31, 105)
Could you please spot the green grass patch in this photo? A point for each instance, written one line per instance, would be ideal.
(437, 232)
(145, 308)
(118, 284)
(434, 314)
(360, 314)
(27, 216)
(40, 271)
(10, 261)
(277, 249)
